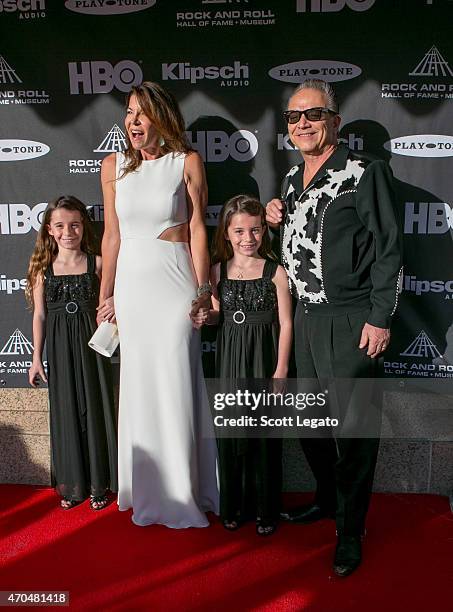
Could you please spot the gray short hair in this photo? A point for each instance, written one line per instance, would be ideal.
(324, 87)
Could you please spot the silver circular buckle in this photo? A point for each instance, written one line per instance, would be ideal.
(71, 307)
(241, 314)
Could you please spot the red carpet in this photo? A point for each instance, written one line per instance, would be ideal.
(107, 563)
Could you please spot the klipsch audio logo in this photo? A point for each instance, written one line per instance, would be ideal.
(427, 218)
(332, 6)
(102, 77)
(114, 141)
(431, 79)
(10, 285)
(18, 150)
(20, 218)
(108, 7)
(412, 284)
(332, 71)
(217, 146)
(421, 145)
(25, 9)
(16, 93)
(226, 18)
(234, 75)
(355, 143)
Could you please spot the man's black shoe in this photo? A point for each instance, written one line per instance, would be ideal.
(307, 514)
(348, 555)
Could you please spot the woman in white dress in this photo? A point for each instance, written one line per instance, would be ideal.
(157, 266)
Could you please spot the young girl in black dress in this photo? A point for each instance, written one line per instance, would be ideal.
(63, 287)
(252, 304)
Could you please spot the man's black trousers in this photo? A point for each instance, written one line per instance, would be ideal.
(327, 351)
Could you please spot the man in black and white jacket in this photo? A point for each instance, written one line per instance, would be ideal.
(341, 249)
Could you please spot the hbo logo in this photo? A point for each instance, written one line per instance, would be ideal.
(332, 6)
(102, 77)
(217, 146)
(20, 218)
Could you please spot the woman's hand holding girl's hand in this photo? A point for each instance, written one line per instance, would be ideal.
(36, 372)
(199, 317)
(106, 311)
(200, 310)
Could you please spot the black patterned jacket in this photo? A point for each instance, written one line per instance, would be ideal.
(341, 239)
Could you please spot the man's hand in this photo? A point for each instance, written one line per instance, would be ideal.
(376, 338)
(274, 212)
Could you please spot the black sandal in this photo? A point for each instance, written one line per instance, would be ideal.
(98, 502)
(265, 528)
(66, 503)
(231, 525)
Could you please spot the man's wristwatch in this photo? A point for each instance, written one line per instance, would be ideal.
(204, 288)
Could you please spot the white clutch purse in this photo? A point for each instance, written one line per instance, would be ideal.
(105, 339)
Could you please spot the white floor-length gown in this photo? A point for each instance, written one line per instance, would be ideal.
(167, 451)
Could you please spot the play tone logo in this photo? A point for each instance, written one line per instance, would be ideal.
(421, 145)
(212, 215)
(331, 71)
(108, 7)
(228, 17)
(332, 6)
(19, 150)
(8, 76)
(25, 9)
(434, 80)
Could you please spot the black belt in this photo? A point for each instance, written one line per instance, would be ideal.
(332, 310)
(239, 316)
(72, 307)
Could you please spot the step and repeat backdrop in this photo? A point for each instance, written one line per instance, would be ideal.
(65, 67)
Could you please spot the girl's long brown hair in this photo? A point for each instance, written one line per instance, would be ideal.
(163, 111)
(221, 247)
(46, 249)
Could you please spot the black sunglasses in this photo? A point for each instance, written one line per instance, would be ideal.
(311, 114)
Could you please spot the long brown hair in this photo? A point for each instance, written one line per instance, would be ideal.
(163, 111)
(221, 247)
(46, 249)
